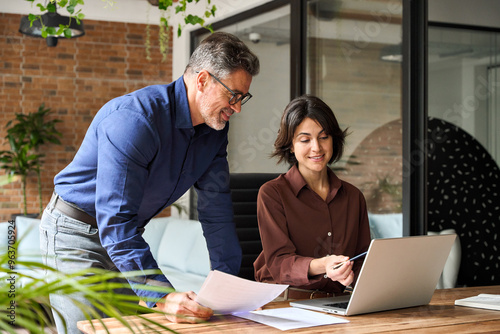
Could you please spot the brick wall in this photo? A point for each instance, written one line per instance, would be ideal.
(73, 79)
(379, 172)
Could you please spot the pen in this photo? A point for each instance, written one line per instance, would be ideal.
(354, 258)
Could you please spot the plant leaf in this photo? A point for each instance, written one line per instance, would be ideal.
(70, 9)
(165, 4)
(67, 33)
(51, 31)
(194, 19)
(59, 32)
(51, 7)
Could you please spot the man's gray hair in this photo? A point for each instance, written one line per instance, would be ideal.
(221, 54)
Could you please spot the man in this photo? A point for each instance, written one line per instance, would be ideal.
(141, 153)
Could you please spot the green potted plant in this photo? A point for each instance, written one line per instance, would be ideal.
(26, 134)
(19, 162)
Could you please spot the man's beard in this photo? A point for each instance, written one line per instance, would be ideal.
(212, 119)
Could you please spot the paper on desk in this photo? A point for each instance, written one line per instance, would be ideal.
(226, 293)
(291, 318)
(483, 300)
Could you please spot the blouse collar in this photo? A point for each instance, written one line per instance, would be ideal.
(297, 182)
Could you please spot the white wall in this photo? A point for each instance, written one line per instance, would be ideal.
(252, 132)
(133, 11)
(484, 13)
(473, 12)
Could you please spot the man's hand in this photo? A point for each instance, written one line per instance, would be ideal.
(180, 307)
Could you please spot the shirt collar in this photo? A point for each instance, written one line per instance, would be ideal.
(182, 111)
(297, 182)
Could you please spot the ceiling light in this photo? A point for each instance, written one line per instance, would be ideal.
(51, 20)
(392, 53)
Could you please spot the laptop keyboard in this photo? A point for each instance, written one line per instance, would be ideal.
(338, 305)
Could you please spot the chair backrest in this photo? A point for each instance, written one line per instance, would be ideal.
(244, 190)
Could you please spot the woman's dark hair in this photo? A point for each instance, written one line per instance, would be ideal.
(300, 108)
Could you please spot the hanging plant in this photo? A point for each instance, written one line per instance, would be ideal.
(166, 7)
(164, 37)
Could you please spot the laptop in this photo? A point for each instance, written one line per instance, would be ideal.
(397, 273)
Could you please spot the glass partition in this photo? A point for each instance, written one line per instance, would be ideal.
(464, 82)
(252, 132)
(349, 53)
(463, 155)
(354, 65)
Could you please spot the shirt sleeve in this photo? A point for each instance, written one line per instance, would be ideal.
(126, 144)
(215, 212)
(282, 261)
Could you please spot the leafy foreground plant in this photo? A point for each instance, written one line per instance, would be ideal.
(27, 305)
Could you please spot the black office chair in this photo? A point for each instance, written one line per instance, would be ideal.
(244, 190)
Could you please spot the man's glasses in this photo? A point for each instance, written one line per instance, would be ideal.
(236, 97)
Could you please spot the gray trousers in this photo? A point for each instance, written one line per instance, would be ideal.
(69, 245)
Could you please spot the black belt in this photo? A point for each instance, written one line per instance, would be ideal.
(295, 293)
(73, 212)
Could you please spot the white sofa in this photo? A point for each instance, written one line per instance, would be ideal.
(28, 248)
(27, 231)
(177, 245)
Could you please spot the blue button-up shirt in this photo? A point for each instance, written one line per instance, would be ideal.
(139, 155)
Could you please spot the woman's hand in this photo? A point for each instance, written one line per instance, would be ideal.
(181, 307)
(325, 265)
(343, 273)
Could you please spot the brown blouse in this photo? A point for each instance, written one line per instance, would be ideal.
(297, 225)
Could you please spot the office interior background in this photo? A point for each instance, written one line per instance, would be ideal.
(348, 52)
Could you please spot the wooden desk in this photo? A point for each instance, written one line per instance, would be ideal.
(440, 316)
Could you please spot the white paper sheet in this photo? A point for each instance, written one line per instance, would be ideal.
(227, 294)
(483, 300)
(291, 318)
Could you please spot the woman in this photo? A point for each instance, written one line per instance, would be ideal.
(310, 221)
